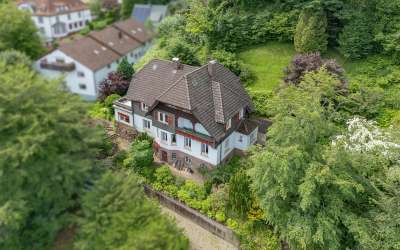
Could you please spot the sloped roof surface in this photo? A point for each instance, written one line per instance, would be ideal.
(54, 7)
(142, 12)
(134, 29)
(213, 96)
(103, 47)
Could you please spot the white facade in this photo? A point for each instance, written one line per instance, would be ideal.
(58, 25)
(82, 80)
(214, 156)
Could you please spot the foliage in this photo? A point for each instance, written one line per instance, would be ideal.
(184, 51)
(14, 57)
(127, 7)
(311, 33)
(119, 157)
(165, 181)
(192, 194)
(301, 64)
(104, 110)
(126, 69)
(47, 153)
(223, 173)
(260, 101)
(17, 31)
(256, 235)
(117, 215)
(115, 83)
(240, 193)
(140, 156)
(301, 169)
(356, 38)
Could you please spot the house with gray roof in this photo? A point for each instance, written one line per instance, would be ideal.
(86, 61)
(196, 115)
(153, 12)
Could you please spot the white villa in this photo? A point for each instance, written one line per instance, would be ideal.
(57, 18)
(197, 115)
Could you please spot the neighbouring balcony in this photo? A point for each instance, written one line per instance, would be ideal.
(124, 103)
(59, 66)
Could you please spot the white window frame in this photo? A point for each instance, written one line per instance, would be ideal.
(241, 114)
(228, 124)
(144, 106)
(226, 145)
(162, 117)
(80, 73)
(145, 123)
(204, 149)
(188, 143)
(240, 138)
(172, 141)
(162, 134)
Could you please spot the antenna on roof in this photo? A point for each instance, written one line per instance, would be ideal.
(119, 34)
(177, 63)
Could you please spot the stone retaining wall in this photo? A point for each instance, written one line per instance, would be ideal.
(210, 225)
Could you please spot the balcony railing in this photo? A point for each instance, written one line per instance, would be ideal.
(59, 66)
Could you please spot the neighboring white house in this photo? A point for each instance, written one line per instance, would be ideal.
(152, 12)
(196, 115)
(57, 18)
(85, 62)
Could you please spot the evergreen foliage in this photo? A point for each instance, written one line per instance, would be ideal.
(117, 215)
(310, 35)
(17, 31)
(46, 155)
(126, 69)
(140, 156)
(15, 57)
(240, 193)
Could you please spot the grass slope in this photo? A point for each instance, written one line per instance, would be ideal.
(267, 62)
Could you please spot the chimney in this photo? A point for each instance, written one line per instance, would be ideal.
(211, 67)
(177, 63)
(119, 34)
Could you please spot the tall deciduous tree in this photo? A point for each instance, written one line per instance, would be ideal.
(126, 69)
(127, 7)
(117, 215)
(311, 35)
(17, 31)
(46, 155)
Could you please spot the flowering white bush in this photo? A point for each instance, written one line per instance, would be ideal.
(364, 136)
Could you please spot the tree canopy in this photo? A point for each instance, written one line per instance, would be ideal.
(46, 155)
(17, 31)
(117, 215)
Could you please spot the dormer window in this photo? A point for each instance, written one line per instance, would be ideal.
(144, 107)
(241, 114)
(163, 117)
(228, 124)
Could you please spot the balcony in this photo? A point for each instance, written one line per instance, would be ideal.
(123, 103)
(59, 66)
(194, 135)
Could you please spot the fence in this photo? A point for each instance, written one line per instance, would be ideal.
(200, 219)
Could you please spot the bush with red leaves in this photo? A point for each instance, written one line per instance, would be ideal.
(115, 83)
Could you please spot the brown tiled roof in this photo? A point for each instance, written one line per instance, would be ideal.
(134, 29)
(54, 7)
(89, 53)
(103, 47)
(247, 126)
(213, 95)
(116, 40)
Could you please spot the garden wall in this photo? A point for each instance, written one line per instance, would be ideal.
(200, 219)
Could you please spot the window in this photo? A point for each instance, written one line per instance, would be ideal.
(79, 14)
(144, 107)
(188, 143)
(70, 26)
(173, 138)
(241, 113)
(81, 74)
(80, 23)
(69, 16)
(40, 19)
(173, 156)
(42, 31)
(131, 54)
(227, 145)
(188, 160)
(163, 117)
(109, 66)
(240, 138)
(228, 124)
(253, 137)
(164, 136)
(204, 149)
(123, 117)
(146, 124)
(82, 86)
(76, 25)
(60, 60)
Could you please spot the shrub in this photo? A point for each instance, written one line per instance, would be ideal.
(260, 101)
(115, 83)
(232, 224)
(240, 196)
(119, 158)
(126, 69)
(140, 156)
(220, 216)
(192, 194)
(222, 174)
(256, 235)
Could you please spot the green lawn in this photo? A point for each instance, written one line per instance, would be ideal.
(267, 62)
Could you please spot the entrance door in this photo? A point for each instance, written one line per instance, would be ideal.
(164, 156)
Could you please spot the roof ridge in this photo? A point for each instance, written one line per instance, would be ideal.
(170, 87)
(228, 88)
